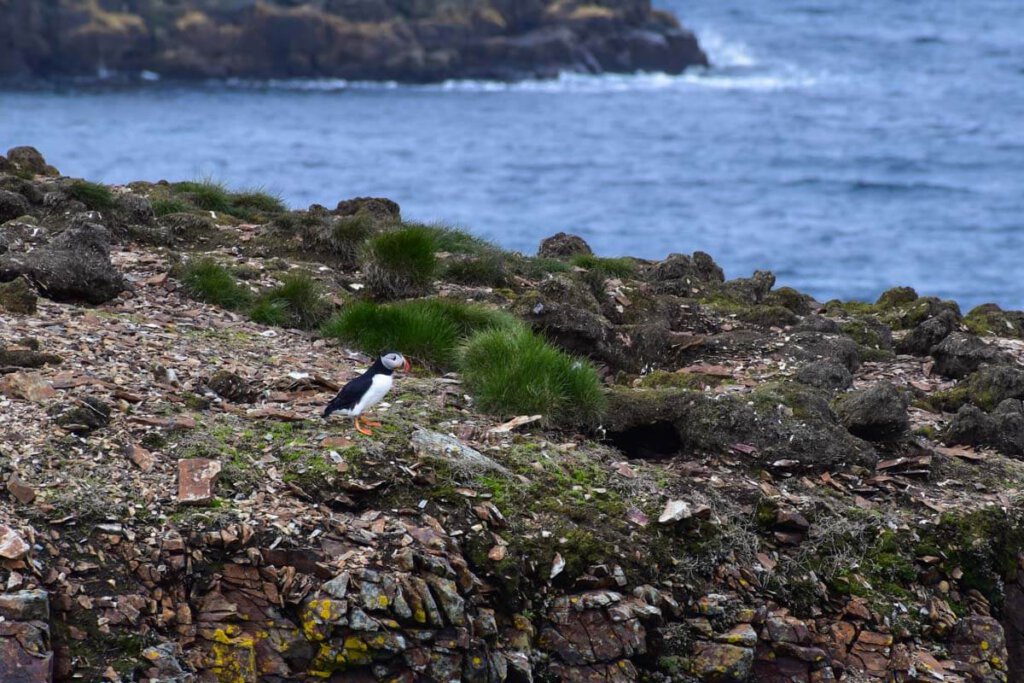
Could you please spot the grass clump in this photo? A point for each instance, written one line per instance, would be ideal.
(599, 269)
(95, 196)
(169, 205)
(487, 270)
(255, 202)
(401, 262)
(206, 280)
(607, 267)
(206, 194)
(429, 330)
(456, 240)
(518, 373)
(345, 236)
(297, 302)
(210, 195)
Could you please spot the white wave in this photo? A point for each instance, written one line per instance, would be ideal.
(566, 83)
(734, 66)
(305, 84)
(725, 54)
(640, 82)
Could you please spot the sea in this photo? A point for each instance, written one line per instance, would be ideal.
(846, 146)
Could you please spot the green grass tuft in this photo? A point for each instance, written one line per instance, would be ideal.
(297, 302)
(251, 204)
(346, 236)
(163, 207)
(487, 270)
(518, 373)
(210, 195)
(206, 194)
(267, 310)
(401, 262)
(607, 267)
(456, 240)
(95, 196)
(427, 330)
(258, 200)
(207, 280)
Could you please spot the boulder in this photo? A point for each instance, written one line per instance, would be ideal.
(782, 423)
(897, 296)
(1003, 429)
(813, 346)
(972, 426)
(686, 276)
(825, 374)
(563, 246)
(818, 323)
(960, 354)
(28, 159)
(133, 209)
(751, 290)
(878, 413)
(922, 339)
(12, 205)
(73, 267)
(566, 312)
(380, 209)
(17, 296)
(792, 300)
(991, 319)
(21, 234)
(990, 386)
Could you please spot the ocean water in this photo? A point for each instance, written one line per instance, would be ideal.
(846, 146)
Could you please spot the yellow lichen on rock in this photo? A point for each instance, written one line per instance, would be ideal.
(234, 655)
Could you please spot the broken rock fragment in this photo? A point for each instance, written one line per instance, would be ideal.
(197, 479)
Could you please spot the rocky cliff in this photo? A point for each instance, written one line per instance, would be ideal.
(354, 39)
(779, 489)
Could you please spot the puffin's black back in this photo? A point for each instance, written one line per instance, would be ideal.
(350, 394)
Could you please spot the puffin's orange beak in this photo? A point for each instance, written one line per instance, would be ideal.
(408, 365)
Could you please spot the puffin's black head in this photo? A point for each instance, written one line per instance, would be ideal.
(394, 360)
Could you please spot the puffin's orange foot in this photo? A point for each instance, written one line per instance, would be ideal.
(361, 429)
(371, 423)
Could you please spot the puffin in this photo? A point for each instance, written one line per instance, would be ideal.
(367, 390)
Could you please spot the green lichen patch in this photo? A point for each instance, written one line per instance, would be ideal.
(990, 319)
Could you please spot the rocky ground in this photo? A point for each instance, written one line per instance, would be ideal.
(781, 489)
(353, 39)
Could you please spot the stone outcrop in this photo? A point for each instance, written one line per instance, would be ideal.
(878, 413)
(773, 494)
(424, 41)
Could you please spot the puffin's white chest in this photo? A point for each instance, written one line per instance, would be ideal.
(379, 387)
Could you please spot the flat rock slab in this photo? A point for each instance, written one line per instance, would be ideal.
(197, 479)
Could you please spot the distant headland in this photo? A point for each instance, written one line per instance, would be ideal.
(399, 40)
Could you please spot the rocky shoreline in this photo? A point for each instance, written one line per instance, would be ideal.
(779, 489)
(356, 39)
